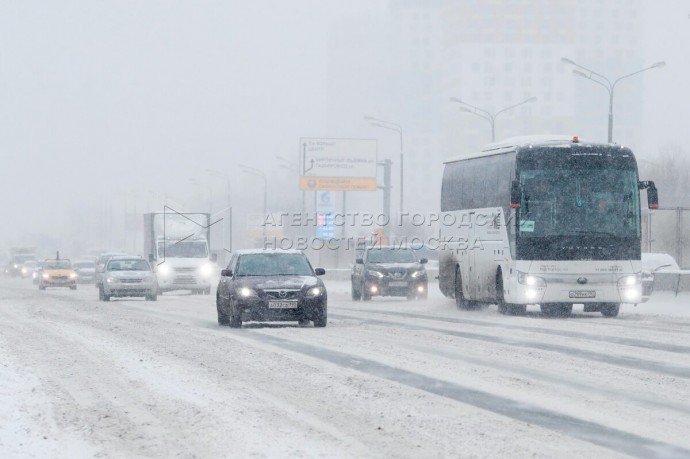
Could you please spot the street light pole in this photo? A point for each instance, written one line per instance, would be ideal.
(228, 184)
(393, 127)
(606, 83)
(259, 173)
(490, 117)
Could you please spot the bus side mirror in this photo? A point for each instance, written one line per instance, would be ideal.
(652, 193)
(652, 198)
(515, 194)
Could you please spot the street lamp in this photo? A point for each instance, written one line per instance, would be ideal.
(259, 173)
(606, 83)
(393, 127)
(490, 117)
(293, 166)
(228, 183)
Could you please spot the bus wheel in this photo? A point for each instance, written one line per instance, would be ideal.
(508, 309)
(460, 301)
(610, 309)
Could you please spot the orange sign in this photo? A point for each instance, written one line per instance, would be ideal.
(337, 183)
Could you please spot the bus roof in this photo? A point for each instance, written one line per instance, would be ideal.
(514, 143)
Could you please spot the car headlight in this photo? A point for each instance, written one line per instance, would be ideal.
(46, 276)
(73, 275)
(164, 270)
(628, 281)
(16, 266)
(24, 271)
(373, 273)
(315, 291)
(417, 274)
(112, 280)
(206, 269)
(532, 281)
(246, 292)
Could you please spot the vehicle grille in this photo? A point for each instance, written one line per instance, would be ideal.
(397, 274)
(282, 294)
(130, 281)
(185, 280)
(184, 270)
(59, 277)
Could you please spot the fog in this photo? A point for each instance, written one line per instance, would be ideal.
(111, 109)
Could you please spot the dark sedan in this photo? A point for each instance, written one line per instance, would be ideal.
(389, 271)
(271, 285)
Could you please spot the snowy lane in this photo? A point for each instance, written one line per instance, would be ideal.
(386, 378)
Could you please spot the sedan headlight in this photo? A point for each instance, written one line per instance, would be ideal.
(73, 275)
(246, 292)
(46, 276)
(417, 274)
(112, 280)
(532, 281)
(373, 273)
(315, 291)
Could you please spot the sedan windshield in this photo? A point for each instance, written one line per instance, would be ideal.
(128, 265)
(273, 265)
(57, 265)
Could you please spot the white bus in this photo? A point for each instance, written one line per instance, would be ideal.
(544, 220)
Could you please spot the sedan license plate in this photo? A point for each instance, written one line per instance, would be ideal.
(582, 294)
(282, 304)
(397, 284)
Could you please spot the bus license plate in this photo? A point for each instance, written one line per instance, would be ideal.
(282, 304)
(583, 294)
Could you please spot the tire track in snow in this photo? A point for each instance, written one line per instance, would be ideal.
(614, 439)
(628, 362)
(546, 331)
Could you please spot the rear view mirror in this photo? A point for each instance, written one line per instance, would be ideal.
(319, 271)
(226, 273)
(515, 194)
(151, 259)
(423, 261)
(214, 257)
(359, 261)
(652, 197)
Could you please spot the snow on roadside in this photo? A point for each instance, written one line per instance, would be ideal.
(27, 422)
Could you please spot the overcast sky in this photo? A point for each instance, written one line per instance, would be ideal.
(116, 100)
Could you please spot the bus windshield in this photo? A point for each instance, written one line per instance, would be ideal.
(579, 202)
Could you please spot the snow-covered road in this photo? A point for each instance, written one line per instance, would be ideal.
(387, 378)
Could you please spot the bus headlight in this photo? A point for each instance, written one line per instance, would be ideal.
(530, 280)
(164, 270)
(630, 289)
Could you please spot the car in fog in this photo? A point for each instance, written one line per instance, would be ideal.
(86, 271)
(271, 285)
(27, 268)
(660, 271)
(37, 271)
(389, 271)
(128, 276)
(100, 262)
(57, 273)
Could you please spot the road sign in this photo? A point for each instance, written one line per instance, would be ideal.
(337, 164)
